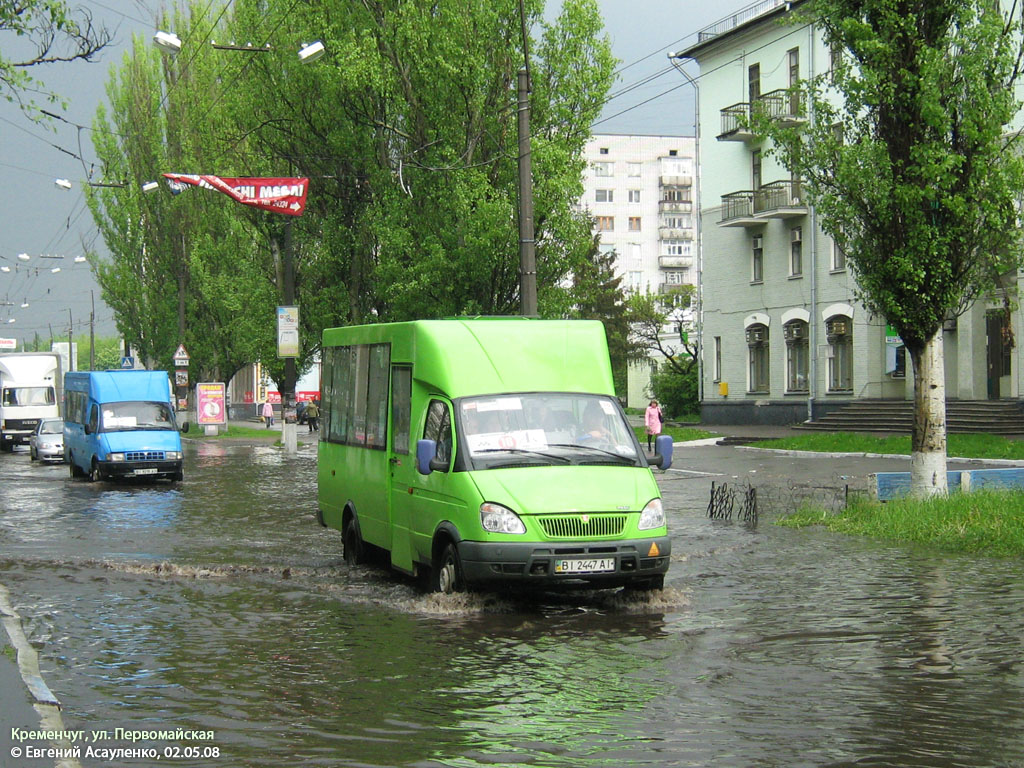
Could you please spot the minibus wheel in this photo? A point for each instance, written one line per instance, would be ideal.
(355, 552)
(94, 471)
(647, 585)
(446, 576)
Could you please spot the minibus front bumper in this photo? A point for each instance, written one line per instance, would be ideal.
(127, 469)
(565, 564)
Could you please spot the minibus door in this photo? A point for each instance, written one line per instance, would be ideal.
(402, 468)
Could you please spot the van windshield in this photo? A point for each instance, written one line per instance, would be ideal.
(121, 417)
(544, 428)
(29, 396)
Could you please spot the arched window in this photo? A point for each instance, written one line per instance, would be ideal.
(757, 350)
(839, 331)
(796, 333)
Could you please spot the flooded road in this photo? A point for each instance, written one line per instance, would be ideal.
(220, 605)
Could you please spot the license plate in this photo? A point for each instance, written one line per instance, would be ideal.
(147, 471)
(591, 565)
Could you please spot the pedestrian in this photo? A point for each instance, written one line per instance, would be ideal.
(653, 419)
(268, 414)
(312, 416)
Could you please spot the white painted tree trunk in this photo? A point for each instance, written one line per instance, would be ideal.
(928, 444)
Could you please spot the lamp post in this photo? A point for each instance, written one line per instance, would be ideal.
(675, 58)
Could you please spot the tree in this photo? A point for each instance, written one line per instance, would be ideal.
(47, 33)
(909, 161)
(660, 328)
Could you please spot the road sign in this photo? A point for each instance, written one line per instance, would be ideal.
(181, 356)
(127, 363)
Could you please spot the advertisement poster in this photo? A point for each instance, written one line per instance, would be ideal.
(211, 404)
(277, 195)
(287, 331)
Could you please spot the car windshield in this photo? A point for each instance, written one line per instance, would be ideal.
(119, 417)
(51, 427)
(544, 428)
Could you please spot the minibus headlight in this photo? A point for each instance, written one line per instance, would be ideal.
(115, 457)
(172, 455)
(498, 519)
(652, 516)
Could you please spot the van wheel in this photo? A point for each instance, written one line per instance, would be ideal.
(647, 585)
(355, 552)
(446, 576)
(179, 476)
(94, 472)
(74, 468)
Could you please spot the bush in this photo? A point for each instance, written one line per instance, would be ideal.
(677, 392)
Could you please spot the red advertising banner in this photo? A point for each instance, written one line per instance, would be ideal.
(211, 403)
(277, 195)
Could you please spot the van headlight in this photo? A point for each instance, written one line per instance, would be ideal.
(652, 516)
(498, 519)
(115, 457)
(172, 455)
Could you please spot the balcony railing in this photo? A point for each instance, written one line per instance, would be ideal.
(675, 206)
(738, 210)
(676, 181)
(780, 199)
(674, 233)
(784, 106)
(674, 262)
(738, 19)
(735, 119)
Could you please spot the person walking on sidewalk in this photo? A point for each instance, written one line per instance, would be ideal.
(312, 415)
(653, 419)
(268, 414)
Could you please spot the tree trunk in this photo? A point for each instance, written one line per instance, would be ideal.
(928, 445)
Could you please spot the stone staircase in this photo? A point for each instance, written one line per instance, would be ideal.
(996, 417)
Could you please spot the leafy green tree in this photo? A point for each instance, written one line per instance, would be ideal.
(40, 32)
(909, 161)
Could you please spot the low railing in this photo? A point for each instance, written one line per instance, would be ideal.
(738, 205)
(777, 195)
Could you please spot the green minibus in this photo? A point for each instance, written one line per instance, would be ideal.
(487, 453)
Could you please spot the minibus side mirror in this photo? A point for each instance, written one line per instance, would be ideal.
(662, 452)
(184, 427)
(87, 429)
(426, 458)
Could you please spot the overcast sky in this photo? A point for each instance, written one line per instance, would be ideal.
(41, 220)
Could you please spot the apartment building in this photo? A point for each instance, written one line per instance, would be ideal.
(640, 193)
(784, 338)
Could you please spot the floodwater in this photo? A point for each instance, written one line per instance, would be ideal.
(220, 605)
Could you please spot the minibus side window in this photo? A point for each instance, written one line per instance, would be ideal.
(401, 406)
(94, 418)
(439, 428)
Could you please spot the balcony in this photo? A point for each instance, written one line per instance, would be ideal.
(675, 181)
(738, 210)
(675, 262)
(784, 107)
(674, 233)
(675, 206)
(664, 288)
(735, 121)
(779, 200)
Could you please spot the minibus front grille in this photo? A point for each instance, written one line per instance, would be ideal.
(582, 526)
(144, 456)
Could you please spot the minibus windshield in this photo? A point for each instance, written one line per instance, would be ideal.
(122, 417)
(544, 428)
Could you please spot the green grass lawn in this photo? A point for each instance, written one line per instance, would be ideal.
(198, 433)
(983, 522)
(965, 446)
(678, 434)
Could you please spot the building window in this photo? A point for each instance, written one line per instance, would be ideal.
(793, 57)
(603, 150)
(796, 252)
(717, 363)
(753, 83)
(757, 259)
(797, 351)
(635, 280)
(839, 332)
(673, 152)
(676, 277)
(633, 169)
(604, 169)
(604, 195)
(605, 223)
(634, 195)
(634, 223)
(755, 169)
(677, 222)
(676, 195)
(757, 351)
(677, 248)
(838, 258)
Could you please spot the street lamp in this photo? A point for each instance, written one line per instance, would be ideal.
(311, 52)
(167, 41)
(23, 257)
(62, 183)
(149, 186)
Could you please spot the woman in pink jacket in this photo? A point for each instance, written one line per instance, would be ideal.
(652, 420)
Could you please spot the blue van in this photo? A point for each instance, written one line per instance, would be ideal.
(121, 424)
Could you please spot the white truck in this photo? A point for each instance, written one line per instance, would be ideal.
(30, 390)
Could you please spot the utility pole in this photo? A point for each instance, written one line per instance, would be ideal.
(71, 348)
(289, 439)
(92, 332)
(527, 246)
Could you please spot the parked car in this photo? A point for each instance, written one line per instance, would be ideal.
(47, 442)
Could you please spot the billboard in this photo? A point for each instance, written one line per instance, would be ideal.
(211, 403)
